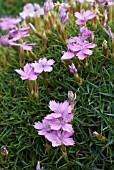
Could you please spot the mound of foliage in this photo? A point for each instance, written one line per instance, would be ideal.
(56, 86)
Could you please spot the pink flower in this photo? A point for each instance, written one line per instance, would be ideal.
(60, 122)
(28, 11)
(83, 17)
(58, 138)
(53, 116)
(75, 40)
(40, 11)
(85, 33)
(8, 23)
(43, 65)
(109, 32)
(63, 107)
(82, 50)
(55, 126)
(24, 46)
(43, 128)
(72, 69)
(19, 33)
(28, 73)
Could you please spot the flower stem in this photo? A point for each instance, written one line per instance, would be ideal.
(85, 62)
(112, 51)
(45, 76)
(64, 152)
(48, 147)
(78, 79)
(76, 61)
(7, 55)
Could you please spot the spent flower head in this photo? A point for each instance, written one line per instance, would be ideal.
(4, 150)
(109, 32)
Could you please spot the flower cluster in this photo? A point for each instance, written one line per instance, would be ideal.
(33, 10)
(56, 126)
(29, 10)
(9, 23)
(13, 39)
(78, 46)
(31, 71)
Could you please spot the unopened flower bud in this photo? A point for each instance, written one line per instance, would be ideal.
(47, 23)
(32, 27)
(71, 96)
(97, 134)
(105, 18)
(51, 20)
(85, 62)
(72, 7)
(105, 47)
(78, 79)
(44, 40)
(100, 137)
(92, 37)
(34, 30)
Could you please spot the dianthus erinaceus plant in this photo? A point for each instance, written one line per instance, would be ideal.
(57, 91)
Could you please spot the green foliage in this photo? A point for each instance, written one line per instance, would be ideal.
(94, 109)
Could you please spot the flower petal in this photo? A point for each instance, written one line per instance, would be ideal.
(79, 22)
(78, 15)
(67, 56)
(47, 68)
(68, 128)
(68, 141)
(87, 51)
(81, 55)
